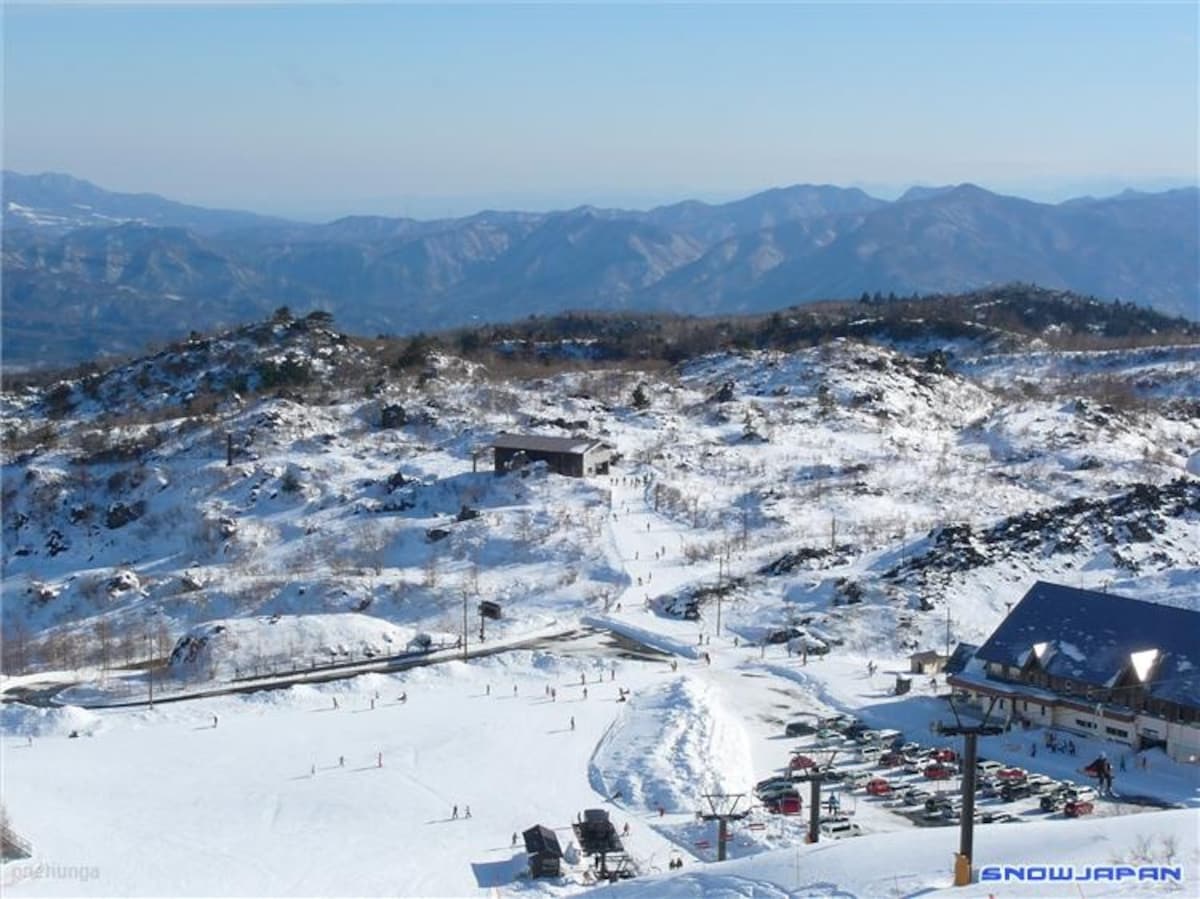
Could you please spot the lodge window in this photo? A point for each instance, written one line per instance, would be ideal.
(1117, 732)
(1081, 722)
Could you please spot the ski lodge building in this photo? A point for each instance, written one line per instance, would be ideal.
(575, 457)
(1093, 664)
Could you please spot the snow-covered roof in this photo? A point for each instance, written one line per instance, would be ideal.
(542, 444)
(1093, 637)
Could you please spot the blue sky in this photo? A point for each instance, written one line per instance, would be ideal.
(317, 111)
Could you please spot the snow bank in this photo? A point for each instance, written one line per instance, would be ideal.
(669, 745)
(246, 646)
(25, 721)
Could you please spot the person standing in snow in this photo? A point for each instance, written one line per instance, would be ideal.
(585, 692)
(514, 839)
(572, 722)
(214, 722)
(468, 812)
(341, 761)
(454, 812)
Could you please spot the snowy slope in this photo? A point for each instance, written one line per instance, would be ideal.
(855, 491)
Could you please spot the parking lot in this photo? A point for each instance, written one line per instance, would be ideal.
(865, 772)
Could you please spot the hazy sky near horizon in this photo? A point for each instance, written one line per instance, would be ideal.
(322, 110)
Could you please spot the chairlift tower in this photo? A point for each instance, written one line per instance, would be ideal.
(814, 777)
(722, 809)
(970, 757)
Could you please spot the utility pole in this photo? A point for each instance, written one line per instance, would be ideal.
(947, 627)
(722, 808)
(464, 632)
(150, 669)
(970, 757)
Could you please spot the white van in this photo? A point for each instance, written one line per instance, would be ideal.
(987, 767)
(840, 828)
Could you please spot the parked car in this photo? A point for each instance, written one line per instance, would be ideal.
(778, 792)
(858, 779)
(916, 796)
(1015, 790)
(879, 786)
(999, 818)
(834, 721)
(891, 759)
(988, 767)
(1053, 801)
(799, 729)
(943, 800)
(1012, 774)
(840, 828)
(773, 782)
(1040, 783)
(1076, 808)
(1081, 793)
(828, 735)
(938, 771)
(784, 805)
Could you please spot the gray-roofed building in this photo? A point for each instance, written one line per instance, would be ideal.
(928, 662)
(1096, 664)
(576, 457)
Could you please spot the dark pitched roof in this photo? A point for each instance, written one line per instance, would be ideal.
(541, 444)
(1090, 637)
(962, 654)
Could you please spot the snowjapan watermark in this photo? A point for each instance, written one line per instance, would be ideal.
(1081, 873)
(20, 872)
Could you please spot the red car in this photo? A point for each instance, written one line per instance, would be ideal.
(801, 761)
(1077, 808)
(878, 786)
(1011, 773)
(786, 805)
(938, 771)
(945, 754)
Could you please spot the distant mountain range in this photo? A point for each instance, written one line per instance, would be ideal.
(87, 271)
